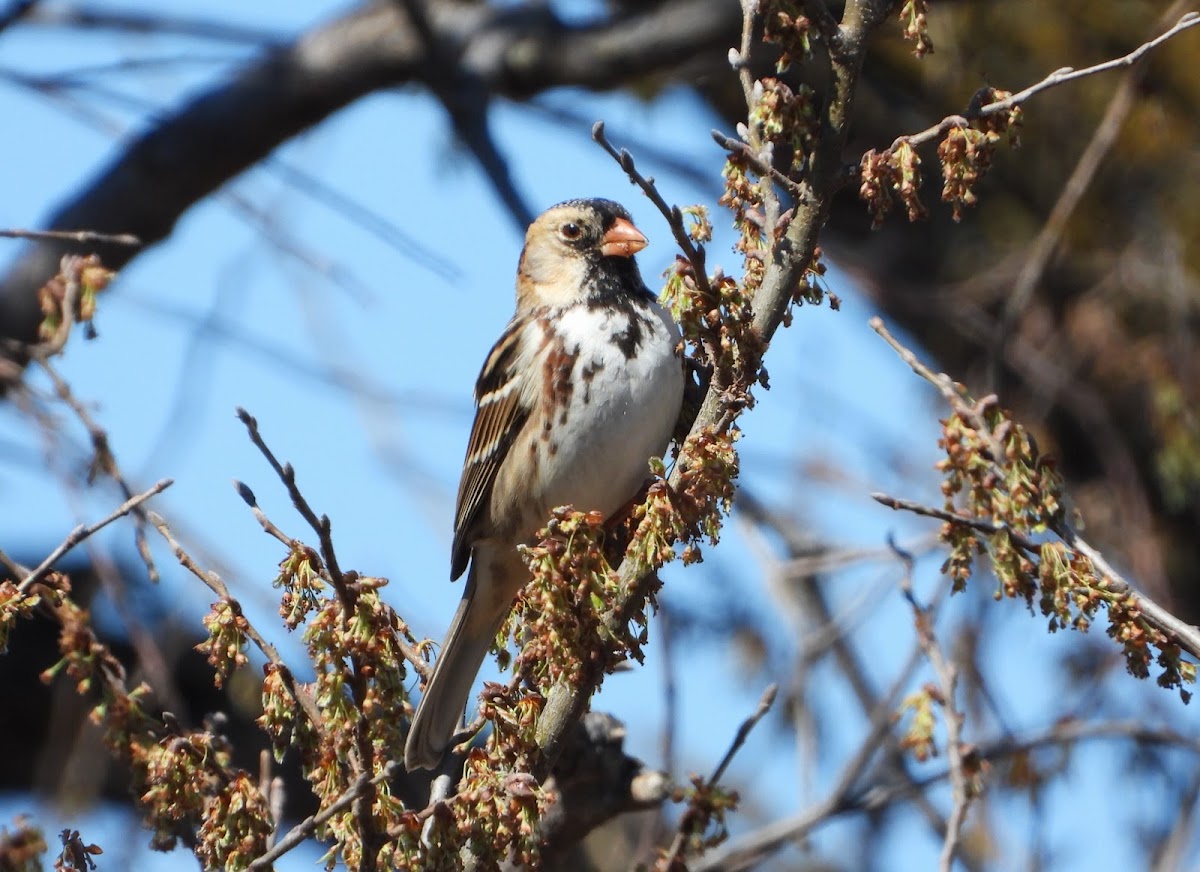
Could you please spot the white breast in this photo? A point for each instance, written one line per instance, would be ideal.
(617, 409)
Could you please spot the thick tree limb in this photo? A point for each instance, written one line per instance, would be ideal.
(596, 781)
(512, 52)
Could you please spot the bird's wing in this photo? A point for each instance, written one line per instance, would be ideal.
(500, 414)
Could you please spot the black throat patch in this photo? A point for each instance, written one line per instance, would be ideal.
(637, 321)
(615, 285)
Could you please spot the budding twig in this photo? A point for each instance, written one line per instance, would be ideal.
(1058, 77)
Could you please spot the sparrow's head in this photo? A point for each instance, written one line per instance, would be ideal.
(579, 250)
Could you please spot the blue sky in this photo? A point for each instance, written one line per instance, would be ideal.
(217, 318)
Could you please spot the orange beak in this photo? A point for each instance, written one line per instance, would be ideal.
(623, 240)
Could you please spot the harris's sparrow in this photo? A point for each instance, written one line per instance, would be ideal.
(583, 387)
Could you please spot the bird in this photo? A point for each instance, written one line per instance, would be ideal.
(583, 387)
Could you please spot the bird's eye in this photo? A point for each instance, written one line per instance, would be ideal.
(571, 231)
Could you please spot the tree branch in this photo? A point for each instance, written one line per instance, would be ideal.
(214, 583)
(300, 833)
(827, 635)
(79, 534)
(1059, 77)
(1046, 242)
(1186, 635)
(674, 854)
(203, 144)
(790, 259)
(83, 237)
(946, 672)
(752, 849)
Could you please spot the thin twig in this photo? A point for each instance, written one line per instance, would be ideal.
(363, 216)
(831, 635)
(947, 676)
(363, 760)
(148, 645)
(941, 381)
(84, 237)
(750, 850)
(670, 691)
(981, 524)
(269, 526)
(1058, 77)
(103, 459)
(833, 558)
(301, 831)
(675, 853)
(1171, 853)
(16, 10)
(1044, 245)
(12, 567)
(320, 525)
(80, 533)
(466, 99)
(840, 800)
(692, 250)
(764, 705)
(760, 166)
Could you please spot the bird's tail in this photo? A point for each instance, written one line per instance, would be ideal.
(492, 583)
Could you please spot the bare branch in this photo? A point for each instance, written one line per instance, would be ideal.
(1172, 852)
(80, 17)
(79, 534)
(16, 10)
(981, 524)
(843, 798)
(467, 101)
(947, 676)
(83, 237)
(103, 461)
(764, 705)
(829, 634)
(1047, 240)
(749, 851)
(321, 526)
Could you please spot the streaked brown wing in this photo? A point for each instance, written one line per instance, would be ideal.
(499, 417)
